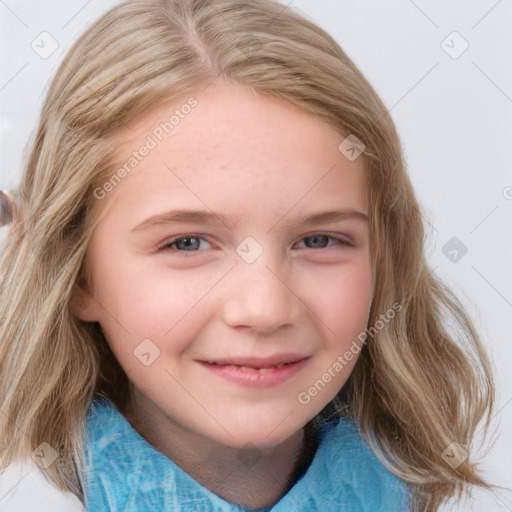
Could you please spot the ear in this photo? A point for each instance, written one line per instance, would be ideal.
(83, 305)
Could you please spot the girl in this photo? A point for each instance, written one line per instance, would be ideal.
(215, 295)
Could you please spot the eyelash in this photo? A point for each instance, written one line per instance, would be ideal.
(167, 246)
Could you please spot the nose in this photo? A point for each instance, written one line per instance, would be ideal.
(260, 296)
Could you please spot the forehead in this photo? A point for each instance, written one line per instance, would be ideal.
(235, 146)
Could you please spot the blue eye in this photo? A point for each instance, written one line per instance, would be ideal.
(188, 244)
(320, 240)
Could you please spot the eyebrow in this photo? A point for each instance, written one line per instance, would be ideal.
(210, 218)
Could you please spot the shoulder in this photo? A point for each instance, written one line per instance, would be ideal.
(23, 488)
(348, 462)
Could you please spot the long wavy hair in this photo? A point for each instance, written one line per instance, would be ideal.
(421, 382)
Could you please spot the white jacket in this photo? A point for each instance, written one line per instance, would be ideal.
(23, 488)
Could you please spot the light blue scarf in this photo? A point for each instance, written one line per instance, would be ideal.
(127, 474)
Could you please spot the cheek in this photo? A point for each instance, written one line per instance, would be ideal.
(342, 303)
(165, 307)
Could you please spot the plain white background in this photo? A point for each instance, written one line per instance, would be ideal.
(444, 70)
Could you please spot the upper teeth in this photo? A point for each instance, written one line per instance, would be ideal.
(252, 368)
(249, 367)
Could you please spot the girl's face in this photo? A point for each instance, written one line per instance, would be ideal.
(239, 235)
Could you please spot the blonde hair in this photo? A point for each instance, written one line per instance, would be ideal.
(421, 382)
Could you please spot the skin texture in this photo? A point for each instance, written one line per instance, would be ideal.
(267, 163)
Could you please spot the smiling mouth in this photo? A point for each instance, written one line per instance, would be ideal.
(257, 372)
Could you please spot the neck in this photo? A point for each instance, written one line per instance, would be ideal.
(251, 477)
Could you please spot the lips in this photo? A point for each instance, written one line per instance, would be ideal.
(255, 372)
